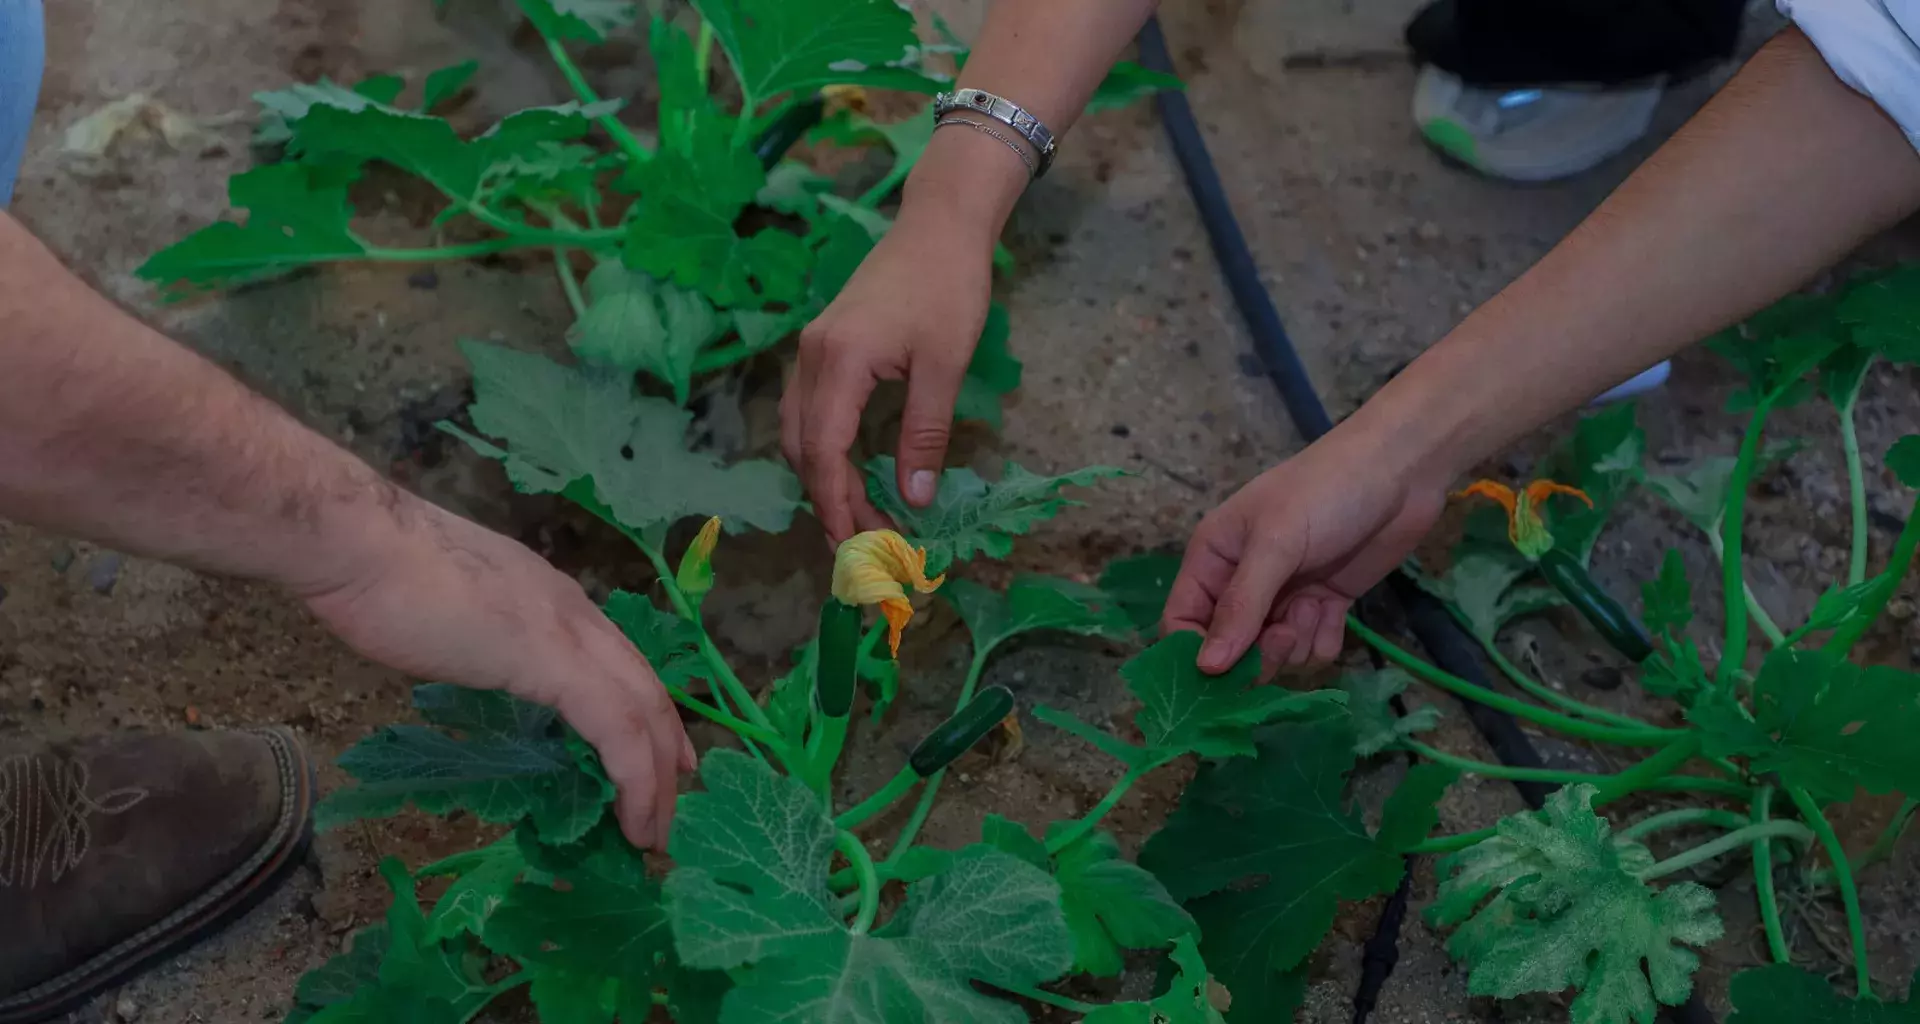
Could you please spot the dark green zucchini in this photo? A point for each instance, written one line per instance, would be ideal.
(958, 734)
(794, 122)
(833, 680)
(1614, 623)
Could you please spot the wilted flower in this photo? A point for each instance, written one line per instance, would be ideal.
(1525, 528)
(876, 567)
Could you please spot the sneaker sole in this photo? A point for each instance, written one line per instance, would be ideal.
(242, 890)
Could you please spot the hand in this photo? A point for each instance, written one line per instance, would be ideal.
(446, 599)
(1281, 561)
(912, 311)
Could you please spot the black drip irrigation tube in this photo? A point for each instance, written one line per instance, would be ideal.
(1448, 646)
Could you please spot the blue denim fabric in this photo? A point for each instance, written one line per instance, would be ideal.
(23, 55)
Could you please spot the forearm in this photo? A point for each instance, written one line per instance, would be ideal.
(112, 432)
(1783, 173)
(1046, 55)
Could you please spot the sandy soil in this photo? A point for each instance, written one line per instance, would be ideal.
(1372, 246)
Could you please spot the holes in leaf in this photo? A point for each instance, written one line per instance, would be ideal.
(626, 452)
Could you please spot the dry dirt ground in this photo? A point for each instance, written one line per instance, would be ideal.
(1371, 245)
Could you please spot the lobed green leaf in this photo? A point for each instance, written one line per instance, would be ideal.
(970, 515)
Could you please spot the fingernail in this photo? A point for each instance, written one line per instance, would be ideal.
(1213, 654)
(920, 486)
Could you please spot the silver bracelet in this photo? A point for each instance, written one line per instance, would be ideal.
(990, 130)
(1004, 111)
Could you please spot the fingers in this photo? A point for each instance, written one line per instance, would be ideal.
(832, 420)
(1244, 607)
(1204, 573)
(1333, 628)
(932, 389)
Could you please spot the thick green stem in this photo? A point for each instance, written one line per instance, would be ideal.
(568, 284)
(823, 753)
(1763, 882)
(1543, 691)
(1754, 607)
(722, 356)
(1448, 844)
(1040, 995)
(1683, 816)
(629, 143)
(1759, 833)
(855, 851)
(1856, 492)
(703, 52)
(1651, 770)
(928, 795)
(1732, 568)
(1693, 783)
(711, 654)
(1072, 833)
(746, 730)
(1881, 849)
(1567, 724)
(886, 796)
(1856, 627)
(1849, 894)
(435, 254)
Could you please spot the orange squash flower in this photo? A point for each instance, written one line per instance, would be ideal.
(1525, 528)
(876, 567)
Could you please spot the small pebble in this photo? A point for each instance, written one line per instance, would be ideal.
(425, 280)
(104, 572)
(1605, 677)
(126, 1009)
(62, 559)
(1121, 430)
(1429, 232)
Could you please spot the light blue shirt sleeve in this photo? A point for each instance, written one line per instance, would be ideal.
(23, 46)
(1871, 45)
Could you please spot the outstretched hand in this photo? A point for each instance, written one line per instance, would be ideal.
(1280, 563)
(456, 602)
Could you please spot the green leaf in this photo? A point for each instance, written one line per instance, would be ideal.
(1824, 724)
(1369, 701)
(1140, 585)
(1783, 994)
(971, 516)
(847, 244)
(1838, 605)
(446, 83)
(1700, 492)
(1033, 603)
(992, 374)
(562, 424)
(778, 46)
(1602, 458)
(563, 998)
(280, 107)
(670, 643)
(1667, 599)
(1112, 905)
(1263, 849)
(1105, 742)
(510, 761)
(1480, 588)
(750, 891)
(586, 21)
(1843, 373)
(420, 981)
(425, 146)
(341, 977)
(1569, 910)
(685, 104)
(602, 919)
(1127, 83)
(1185, 1002)
(1885, 314)
(1675, 671)
(633, 322)
(482, 885)
(793, 187)
(1184, 709)
(1904, 459)
(297, 216)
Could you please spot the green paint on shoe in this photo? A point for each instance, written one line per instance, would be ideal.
(1452, 139)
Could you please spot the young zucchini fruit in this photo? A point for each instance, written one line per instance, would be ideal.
(787, 129)
(1614, 623)
(839, 657)
(958, 734)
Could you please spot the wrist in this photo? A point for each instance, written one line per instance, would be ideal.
(967, 182)
(357, 533)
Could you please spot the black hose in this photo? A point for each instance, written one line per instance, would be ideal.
(1448, 646)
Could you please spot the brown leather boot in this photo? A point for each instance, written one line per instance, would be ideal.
(115, 852)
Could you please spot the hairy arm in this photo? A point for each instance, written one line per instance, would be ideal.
(1783, 173)
(110, 431)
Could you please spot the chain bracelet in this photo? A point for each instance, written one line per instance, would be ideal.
(1032, 171)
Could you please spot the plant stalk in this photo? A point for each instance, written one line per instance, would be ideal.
(1547, 693)
(1641, 775)
(1763, 882)
(735, 688)
(1696, 783)
(1849, 634)
(1754, 607)
(1683, 816)
(1449, 844)
(855, 851)
(568, 284)
(628, 142)
(1757, 833)
(1040, 995)
(1843, 874)
(884, 797)
(1856, 491)
(745, 730)
(1073, 833)
(928, 795)
(1732, 567)
(1567, 724)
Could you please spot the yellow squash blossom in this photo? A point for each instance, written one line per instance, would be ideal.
(876, 567)
(1525, 528)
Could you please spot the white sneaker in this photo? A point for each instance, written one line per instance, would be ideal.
(1529, 134)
